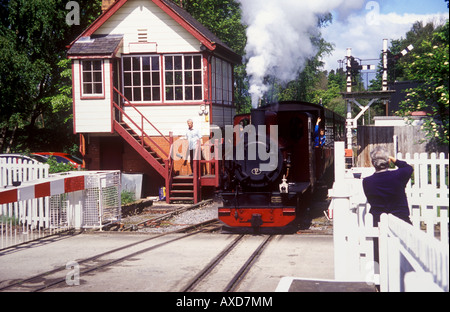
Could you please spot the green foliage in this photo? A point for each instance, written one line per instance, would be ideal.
(56, 167)
(222, 17)
(127, 197)
(431, 68)
(35, 78)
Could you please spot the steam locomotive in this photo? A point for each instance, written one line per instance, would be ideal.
(274, 165)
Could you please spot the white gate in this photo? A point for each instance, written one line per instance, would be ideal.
(355, 237)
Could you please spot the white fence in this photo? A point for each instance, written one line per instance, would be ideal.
(356, 240)
(24, 219)
(428, 191)
(409, 259)
(74, 200)
(20, 170)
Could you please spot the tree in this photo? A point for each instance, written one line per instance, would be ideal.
(431, 69)
(33, 72)
(223, 18)
(397, 67)
(330, 93)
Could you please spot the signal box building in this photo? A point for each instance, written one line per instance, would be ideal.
(140, 71)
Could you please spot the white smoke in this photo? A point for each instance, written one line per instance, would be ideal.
(279, 37)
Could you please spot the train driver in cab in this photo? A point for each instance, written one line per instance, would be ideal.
(319, 135)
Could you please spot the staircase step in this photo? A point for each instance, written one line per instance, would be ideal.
(181, 198)
(184, 177)
(182, 184)
(133, 138)
(181, 191)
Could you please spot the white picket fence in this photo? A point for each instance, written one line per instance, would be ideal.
(17, 171)
(22, 220)
(20, 170)
(428, 191)
(402, 252)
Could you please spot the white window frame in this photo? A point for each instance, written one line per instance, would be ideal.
(141, 72)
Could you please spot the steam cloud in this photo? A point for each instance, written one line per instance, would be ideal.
(279, 37)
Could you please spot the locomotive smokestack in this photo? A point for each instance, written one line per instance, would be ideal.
(258, 117)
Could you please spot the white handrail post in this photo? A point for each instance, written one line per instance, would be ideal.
(383, 253)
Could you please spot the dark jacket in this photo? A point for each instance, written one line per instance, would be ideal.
(385, 192)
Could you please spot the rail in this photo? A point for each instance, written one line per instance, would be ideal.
(98, 262)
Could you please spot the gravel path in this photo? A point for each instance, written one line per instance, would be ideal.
(190, 217)
(316, 222)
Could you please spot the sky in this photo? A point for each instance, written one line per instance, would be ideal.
(365, 26)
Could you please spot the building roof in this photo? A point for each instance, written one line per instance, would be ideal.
(96, 45)
(200, 32)
(194, 23)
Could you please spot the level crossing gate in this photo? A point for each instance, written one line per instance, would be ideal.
(411, 257)
(61, 202)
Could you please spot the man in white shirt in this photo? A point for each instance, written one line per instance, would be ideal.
(192, 135)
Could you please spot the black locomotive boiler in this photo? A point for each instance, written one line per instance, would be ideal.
(267, 191)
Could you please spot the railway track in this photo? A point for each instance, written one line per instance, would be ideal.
(226, 272)
(155, 221)
(239, 276)
(53, 278)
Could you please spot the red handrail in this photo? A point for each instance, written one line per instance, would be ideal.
(144, 135)
(142, 115)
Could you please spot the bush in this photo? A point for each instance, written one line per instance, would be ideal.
(56, 167)
(127, 197)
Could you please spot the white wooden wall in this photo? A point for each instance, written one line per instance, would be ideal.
(93, 115)
(162, 29)
(137, 16)
(168, 118)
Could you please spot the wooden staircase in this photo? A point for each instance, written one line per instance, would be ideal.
(178, 188)
(142, 147)
(182, 188)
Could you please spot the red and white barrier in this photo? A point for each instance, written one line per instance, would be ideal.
(46, 187)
